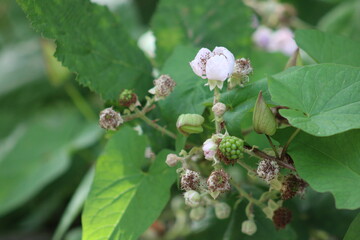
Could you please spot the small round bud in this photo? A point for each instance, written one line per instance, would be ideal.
(264, 121)
(291, 186)
(230, 149)
(172, 160)
(190, 123)
(190, 180)
(248, 227)
(128, 98)
(164, 85)
(110, 119)
(219, 109)
(198, 213)
(209, 147)
(222, 210)
(192, 198)
(282, 216)
(218, 182)
(267, 170)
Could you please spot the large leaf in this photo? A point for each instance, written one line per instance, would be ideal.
(329, 164)
(93, 43)
(204, 23)
(125, 200)
(39, 151)
(323, 99)
(329, 48)
(189, 93)
(354, 230)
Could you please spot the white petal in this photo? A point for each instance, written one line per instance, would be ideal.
(217, 68)
(262, 36)
(198, 65)
(229, 56)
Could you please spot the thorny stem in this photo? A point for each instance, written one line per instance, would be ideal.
(137, 115)
(260, 154)
(151, 123)
(272, 146)
(288, 143)
(244, 194)
(216, 100)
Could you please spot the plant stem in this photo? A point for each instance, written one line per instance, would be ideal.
(244, 194)
(151, 123)
(216, 100)
(244, 165)
(260, 154)
(137, 115)
(272, 146)
(288, 142)
(79, 101)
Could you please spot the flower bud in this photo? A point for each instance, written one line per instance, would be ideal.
(219, 109)
(218, 182)
(248, 227)
(198, 213)
(192, 198)
(222, 210)
(190, 180)
(209, 148)
(263, 119)
(110, 119)
(190, 123)
(172, 160)
(164, 85)
(267, 170)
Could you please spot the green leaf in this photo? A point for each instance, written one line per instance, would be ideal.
(93, 43)
(125, 200)
(240, 101)
(323, 99)
(39, 151)
(189, 93)
(203, 23)
(328, 48)
(330, 164)
(354, 230)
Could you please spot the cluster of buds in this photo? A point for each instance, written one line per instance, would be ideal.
(292, 186)
(163, 86)
(268, 170)
(241, 73)
(128, 99)
(110, 119)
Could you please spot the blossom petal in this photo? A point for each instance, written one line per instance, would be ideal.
(229, 56)
(217, 68)
(198, 65)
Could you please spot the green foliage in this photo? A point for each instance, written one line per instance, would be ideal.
(25, 169)
(201, 23)
(354, 230)
(189, 94)
(124, 199)
(92, 43)
(328, 48)
(323, 99)
(329, 164)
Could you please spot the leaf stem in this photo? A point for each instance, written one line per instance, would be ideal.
(272, 146)
(244, 194)
(288, 143)
(151, 123)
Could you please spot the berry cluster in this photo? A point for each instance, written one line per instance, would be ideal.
(230, 149)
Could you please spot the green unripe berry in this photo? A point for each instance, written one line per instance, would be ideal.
(231, 147)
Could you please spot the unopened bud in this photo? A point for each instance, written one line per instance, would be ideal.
(110, 119)
(218, 182)
(219, 109)
(222, 210)
(164, 85)
(198, 213)
(190, 123)
(190, 180)
(172, 160)
(192, 198)
(267, 170)
(263, 119)
(248, 227)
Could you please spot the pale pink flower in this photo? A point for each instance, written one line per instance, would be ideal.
(262, 36)
(209, 148)
(283, 41)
